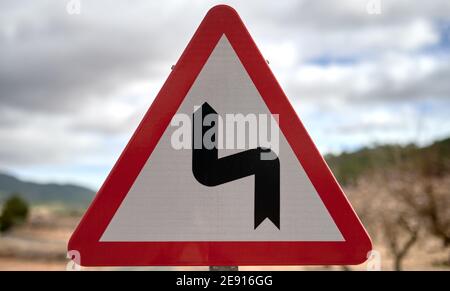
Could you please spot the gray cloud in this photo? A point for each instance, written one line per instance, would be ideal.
(53, 61)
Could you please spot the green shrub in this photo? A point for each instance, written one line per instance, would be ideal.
(15, 211)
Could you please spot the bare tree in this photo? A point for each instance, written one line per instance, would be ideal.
(434, 207)
(380, 197)
(431, 203)
(405, 205)
(400, 235)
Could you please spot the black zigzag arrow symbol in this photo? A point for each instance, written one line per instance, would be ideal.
(211, 171)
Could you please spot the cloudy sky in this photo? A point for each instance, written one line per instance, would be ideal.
(73, 87)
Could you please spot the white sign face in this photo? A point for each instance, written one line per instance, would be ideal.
(167, 203)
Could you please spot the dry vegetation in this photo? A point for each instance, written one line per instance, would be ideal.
(406, 209)
(408, 218)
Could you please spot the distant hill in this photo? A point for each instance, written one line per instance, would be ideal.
(45, 193)
(432, 160)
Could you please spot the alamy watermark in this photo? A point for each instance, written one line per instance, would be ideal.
(373, 261)
(228, 131)
(73, 7)
(373, 7)
(74, 263)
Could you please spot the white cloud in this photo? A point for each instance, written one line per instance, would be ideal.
(389, 77)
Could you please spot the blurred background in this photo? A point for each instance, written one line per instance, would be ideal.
(369, 79)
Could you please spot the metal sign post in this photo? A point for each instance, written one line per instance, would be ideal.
(224, 268)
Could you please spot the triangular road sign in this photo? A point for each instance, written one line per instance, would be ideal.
(162, 205)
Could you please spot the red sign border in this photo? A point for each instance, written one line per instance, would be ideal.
(219, 20)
